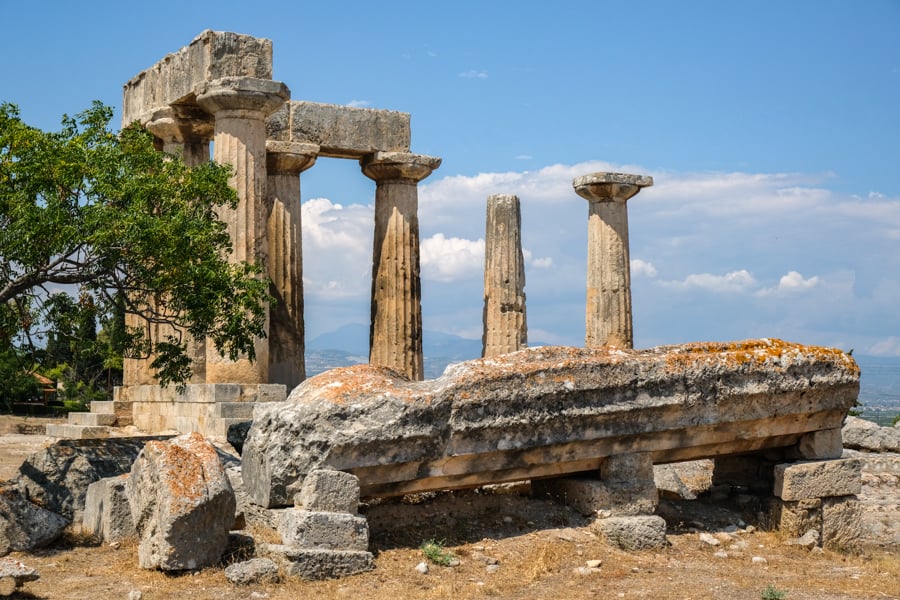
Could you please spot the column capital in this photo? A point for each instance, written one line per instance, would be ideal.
(610, 187)
(248, 96)
(290, 158)
(402, 166)
(181, 124)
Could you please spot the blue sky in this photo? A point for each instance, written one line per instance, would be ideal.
(771, 128)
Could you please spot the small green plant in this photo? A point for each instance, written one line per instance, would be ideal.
(773, 593)
(436, 553)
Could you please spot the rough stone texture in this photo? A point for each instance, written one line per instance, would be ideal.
(58, 476)
(818, 479)
(246, 511)
(505, 327)
(544, 412)
(633, 533)
(237, 433)
(182, 504)
(329, 491)
(24, 525)
(17, 571)
(341, 131)
(823, 444)
(592, 496)
(684, 480)
(323, 530)
(794, 518)
(255, 570)
(608, 311)
(319, 564)
(176, 78)
(842, 523)
(860, 434)
(880, 498)
(395, 340)
(107, 513)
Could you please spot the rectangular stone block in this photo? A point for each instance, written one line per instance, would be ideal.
(323, 530)
(823, 444)
(592, 496)
(107, 514)
(233, 410)
(92, 419)
(341, 131)
(842, 523)
(627, 467)
(329, 491)
(818, 479)
(318, 564)
(794, 518)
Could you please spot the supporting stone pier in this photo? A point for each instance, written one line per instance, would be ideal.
(608, 314)
(395, 338)
(505, 327)
(240, 106)
(285, 161)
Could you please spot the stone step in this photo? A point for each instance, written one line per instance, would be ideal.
(77, 432)
(122, 410)
(92, 419)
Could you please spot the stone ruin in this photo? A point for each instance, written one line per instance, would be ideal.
(584, 424)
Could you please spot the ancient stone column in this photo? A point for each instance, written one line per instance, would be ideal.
(505, 329)
(608, 314)
(285, 161)
(240, 106)
(395, 338)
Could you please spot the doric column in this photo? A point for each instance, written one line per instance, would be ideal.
(285, 161)
(395, 338)
(240, 106)
(505, 328)
(608, 270)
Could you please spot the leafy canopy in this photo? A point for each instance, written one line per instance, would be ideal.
(112, 223)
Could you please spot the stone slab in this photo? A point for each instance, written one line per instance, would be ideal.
(633, 533)
(329, 491)
(92, 419)
(818, 479)
(323, 530)
(77, 432)
(107, 514)
(318, 564)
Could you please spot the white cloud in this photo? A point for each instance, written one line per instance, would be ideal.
(451, 259)
(337, 249)
(524, 157)
(359, 103)
(642, 268)
(791, 283)
(474, 74)
(733, 282)
(889, 346)
(542, 263)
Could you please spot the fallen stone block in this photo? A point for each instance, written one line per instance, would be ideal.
(24, 525)
(323, 530)
(14, 572)
(329, 491)
(182, 504)
(255, 570)
(542, 412)
(633, 533)
(818, 479)
(860, 434)
(319, 564)
(107, 513)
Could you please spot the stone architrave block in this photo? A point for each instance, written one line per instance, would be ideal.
(818, 479)
(591, 496)
(107, 513)
(842, 523)
(821, 445)
(318, 564)
(323, 530)
(182, 504)
(633, 533)
(329, 491)
(341, 131)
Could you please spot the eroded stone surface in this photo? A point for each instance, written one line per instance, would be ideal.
(544, 411)
(107, 513)
(323, 530)
(818, 479)
(329, 491)
(505, 327)
(860, 434)
(25, 525)
(633, 533)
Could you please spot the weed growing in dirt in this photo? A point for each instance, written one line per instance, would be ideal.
(436, 553)
(773, 593)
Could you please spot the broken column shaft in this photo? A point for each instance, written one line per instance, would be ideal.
(608, 311)
(505, 328)
(395, 338)
(240, 106)
(285, 161)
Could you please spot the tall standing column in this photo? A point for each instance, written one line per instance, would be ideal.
(505, 328)
(395, 338)
(240, 106)
(608, 314)
(285, 161)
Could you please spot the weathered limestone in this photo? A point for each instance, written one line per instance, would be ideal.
(609, 271)
(505, 328)
(181, 502)
(341, 131)
(255, 570)
(240, 106)
(322, 530)
(634, 532)
(329, 491)
(16, 572)
(544, 412)
(396, 322)
(24, 525)
(818, 479)
(860, 434)
(107, 514)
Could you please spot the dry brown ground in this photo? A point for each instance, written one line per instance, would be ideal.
(538, 544)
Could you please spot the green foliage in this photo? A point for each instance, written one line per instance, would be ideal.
(772, 593)
(436, 553)
(18, 385)
(896, 419)
(94, 224)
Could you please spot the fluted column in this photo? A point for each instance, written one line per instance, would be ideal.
(285, 161)
(395, 338)
(240, 106)
(608, 313)
(505, 328)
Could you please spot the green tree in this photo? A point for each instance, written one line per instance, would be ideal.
(112, 224)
